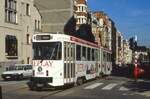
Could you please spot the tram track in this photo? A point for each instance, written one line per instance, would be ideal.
(50, 94)
(42, 94)
(14, 90)
(57, 92)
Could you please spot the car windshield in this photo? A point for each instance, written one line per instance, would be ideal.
(47, 50)
(19, 67)
(12, 68)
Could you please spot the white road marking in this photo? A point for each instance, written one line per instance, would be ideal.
(146, 93)
(109, 86)
(123, 89)
(93, 86)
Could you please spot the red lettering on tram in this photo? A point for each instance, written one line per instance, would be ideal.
(42, 63)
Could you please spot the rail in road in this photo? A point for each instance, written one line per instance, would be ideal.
(21, 91)
(17, 89)
(17, 93)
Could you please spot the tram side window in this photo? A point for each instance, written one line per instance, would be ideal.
(110, 57)
(65, 51)
(104, 57)
(107, 57)
(99, 56)
(89, 54)
(78, 52)
(96, 55)
(83, 53)
(93, 58)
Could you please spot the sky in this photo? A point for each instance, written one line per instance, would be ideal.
(131, 17)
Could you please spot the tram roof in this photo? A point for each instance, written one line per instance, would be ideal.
(62, 37)
(67, 38)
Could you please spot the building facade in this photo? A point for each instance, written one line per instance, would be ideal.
(96, 29)
(127, 52)
(58, 16)
(81, 12)
(105, 29)
(120, 49)
(114, 41)
(64, 16)
(18, 21)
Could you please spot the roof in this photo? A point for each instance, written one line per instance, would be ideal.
(81, 1)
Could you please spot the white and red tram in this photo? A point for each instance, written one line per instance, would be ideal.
(60, 59)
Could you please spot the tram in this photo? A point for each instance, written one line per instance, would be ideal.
(60, 60)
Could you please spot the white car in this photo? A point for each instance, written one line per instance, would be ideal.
(17, 72)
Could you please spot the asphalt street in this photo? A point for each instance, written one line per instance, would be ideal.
(105, 88)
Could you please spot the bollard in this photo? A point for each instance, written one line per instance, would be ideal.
(0, 92)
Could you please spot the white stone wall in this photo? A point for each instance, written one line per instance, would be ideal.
(25, 25)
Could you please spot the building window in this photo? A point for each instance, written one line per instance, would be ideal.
(82, 9)
(28, 38)
(78, 8)
(38, 25)
(28, 60)
(27, 9)
(11, 11)
(35, 24)
(11, 45)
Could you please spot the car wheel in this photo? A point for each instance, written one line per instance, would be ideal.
(5, 79)
(21, 77)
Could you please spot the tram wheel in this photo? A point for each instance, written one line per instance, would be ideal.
(32, 88)
(80, 81)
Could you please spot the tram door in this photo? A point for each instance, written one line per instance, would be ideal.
(69, 62)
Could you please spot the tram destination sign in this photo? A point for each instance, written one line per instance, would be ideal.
(43, 37)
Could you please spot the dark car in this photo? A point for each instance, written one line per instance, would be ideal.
(145, 65)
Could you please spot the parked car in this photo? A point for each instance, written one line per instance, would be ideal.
(145, 65)
(17, 72)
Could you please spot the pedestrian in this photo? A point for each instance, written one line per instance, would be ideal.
(136, 73)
